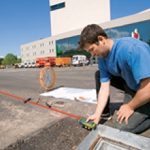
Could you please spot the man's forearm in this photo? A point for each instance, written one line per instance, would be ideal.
(102, 98)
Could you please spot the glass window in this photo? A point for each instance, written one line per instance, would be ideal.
(143, 29)
(57, 6)
(66, 45)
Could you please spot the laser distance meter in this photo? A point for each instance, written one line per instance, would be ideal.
(87, 125)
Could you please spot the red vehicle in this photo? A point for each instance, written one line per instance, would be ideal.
(45, 61)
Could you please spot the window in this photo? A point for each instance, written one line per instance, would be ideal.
(27, 48)
(34, 53)
(42, 44)
(57, 6)
(33, 46)
(42, 52)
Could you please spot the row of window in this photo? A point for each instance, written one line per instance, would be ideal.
(41, 45)
(41, 53)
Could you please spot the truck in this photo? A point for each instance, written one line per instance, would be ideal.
(79, 60)
(53, 61)
(43, 61)
(63, 61)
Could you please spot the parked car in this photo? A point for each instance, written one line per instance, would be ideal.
(33, 65)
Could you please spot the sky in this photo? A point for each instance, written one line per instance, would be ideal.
(24, 21)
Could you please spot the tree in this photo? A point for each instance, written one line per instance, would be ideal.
(19, 60)
(9, 59)
(1, 59)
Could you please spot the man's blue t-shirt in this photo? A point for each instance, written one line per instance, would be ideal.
(130, 59)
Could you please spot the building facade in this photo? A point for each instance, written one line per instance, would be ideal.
(63, 43)
(41, 48)
(69, 15)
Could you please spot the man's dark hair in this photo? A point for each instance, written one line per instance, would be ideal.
(90, 34)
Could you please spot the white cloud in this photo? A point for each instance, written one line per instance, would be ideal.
(114, 33)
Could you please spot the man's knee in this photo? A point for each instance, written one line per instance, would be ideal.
(136, 120)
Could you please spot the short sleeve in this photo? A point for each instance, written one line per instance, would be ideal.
(139, 62)
(104, 74)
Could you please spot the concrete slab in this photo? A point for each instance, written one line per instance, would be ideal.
(65, 134)
(18, 121)
(105, 137)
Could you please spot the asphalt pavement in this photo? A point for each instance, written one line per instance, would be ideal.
(25, 126)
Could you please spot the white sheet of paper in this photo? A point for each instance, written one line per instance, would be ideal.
(84, 95)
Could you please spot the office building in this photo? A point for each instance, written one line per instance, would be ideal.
(61, 44)
(69, 15)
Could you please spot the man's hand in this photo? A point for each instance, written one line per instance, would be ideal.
(124, 113)
(95, 118)
(141, 97)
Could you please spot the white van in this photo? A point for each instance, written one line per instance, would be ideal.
(21, 65)
(29, 65)
(79, 60)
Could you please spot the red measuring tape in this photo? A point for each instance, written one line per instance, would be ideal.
(70, 115)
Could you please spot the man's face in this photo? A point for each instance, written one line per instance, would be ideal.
(96, 49)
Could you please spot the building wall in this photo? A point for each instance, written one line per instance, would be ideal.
(41, 48)
(116, 28)
(111, 24)
(78, 13)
